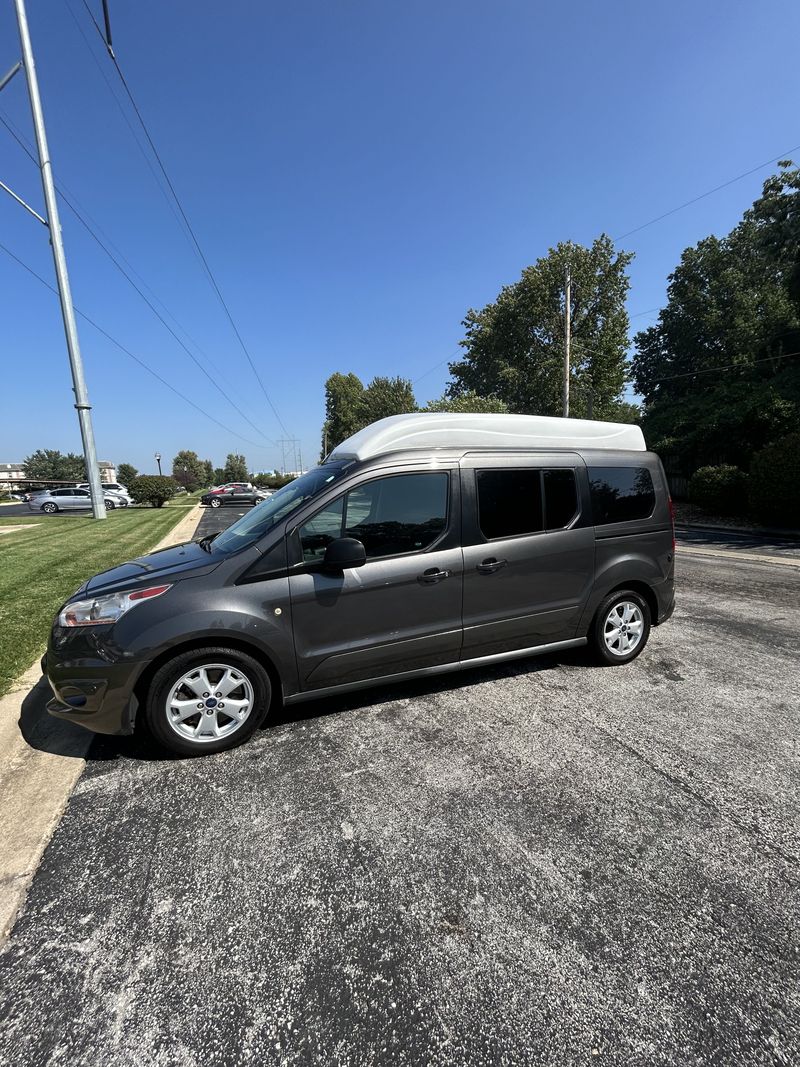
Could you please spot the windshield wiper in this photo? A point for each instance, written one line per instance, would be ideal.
(205, 542)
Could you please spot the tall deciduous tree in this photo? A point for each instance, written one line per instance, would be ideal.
(515, 345)
(387, 396)
(349, 406)
(188, 470)
(126, 473)
(343, 406)
(718, 371)
(208, 473)
(48, 464)
(235, 468)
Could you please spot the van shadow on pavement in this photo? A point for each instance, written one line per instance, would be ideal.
(47, 734)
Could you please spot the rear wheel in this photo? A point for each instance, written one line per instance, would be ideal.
(51, 509)
(621, 627)
(207, 700)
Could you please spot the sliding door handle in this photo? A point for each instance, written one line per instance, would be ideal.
(489, 566)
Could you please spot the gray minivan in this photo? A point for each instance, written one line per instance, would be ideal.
(426, 543)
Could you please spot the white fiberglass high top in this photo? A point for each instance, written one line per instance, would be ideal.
(426, 430)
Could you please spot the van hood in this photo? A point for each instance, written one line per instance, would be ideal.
(178, 561)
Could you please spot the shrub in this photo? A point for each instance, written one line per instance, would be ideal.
(722, 490)
(775, 482)
(153, 489)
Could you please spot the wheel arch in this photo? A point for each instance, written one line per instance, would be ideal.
(643, 589)
(142, 685)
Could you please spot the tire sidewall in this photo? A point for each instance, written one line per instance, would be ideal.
(216, 503)
(49, 509)
(598, 641)
(169, 673)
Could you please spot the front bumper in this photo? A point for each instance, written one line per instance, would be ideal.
(97, 695)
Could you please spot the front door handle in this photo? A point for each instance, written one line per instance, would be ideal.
(433, 575)
(489, 566)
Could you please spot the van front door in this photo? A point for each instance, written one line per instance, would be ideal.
(528, 550)
(400, 611)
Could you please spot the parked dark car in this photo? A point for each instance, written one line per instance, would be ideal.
(426, 543)
(232, 494)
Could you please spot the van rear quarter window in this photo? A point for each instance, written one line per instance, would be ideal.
(621, 494)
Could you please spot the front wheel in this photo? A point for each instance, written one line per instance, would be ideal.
(50, 509)
(216, 502)
(621, 627)
(207, 700)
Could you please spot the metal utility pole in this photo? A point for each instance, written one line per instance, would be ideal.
(67, 313)
(567, 339)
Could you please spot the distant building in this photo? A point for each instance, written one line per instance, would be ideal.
(12, 474)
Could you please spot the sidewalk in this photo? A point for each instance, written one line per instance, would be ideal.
(42, 759)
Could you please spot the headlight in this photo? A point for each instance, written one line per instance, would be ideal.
(102, 610)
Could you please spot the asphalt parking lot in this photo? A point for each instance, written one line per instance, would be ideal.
(541, 863)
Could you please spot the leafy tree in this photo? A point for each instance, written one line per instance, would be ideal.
(718, 371)
(235, 468)
(188, 470)
(208, 473)
(219, 476)
(152, 489)
(349, 406)
(126, 473)
(514, 346)
(386, 396)
(343, 409)
(50, 465)
(468, 403)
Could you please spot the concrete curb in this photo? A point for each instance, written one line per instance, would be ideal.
(734, 554)
(42, 759)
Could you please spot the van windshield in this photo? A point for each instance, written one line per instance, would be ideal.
(258, 522)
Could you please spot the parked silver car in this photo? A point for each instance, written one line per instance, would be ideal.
(52, 500)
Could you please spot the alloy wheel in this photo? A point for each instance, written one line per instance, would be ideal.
(210, 702)
(623, 628)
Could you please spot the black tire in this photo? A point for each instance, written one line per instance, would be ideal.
(110, 505)
(161, 687)
(216, 502)
(602, 624)
(50, 509)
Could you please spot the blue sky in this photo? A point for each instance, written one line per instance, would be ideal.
(359, 174)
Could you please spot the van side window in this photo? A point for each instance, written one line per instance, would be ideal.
(560, 498)
(402, 513)
(509, 503)
(620, 494)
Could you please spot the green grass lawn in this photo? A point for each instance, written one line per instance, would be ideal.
(39, 568)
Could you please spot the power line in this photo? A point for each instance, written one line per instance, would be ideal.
(133, 284)
(185, 218)
(62, 189)
(729, 366)
(709, 192)
(128, 352)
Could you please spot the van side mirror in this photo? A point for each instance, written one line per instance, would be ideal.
(343, 553)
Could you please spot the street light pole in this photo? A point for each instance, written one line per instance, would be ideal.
(59, 259)
(158, 461)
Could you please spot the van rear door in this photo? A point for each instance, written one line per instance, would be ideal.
(528, 550)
